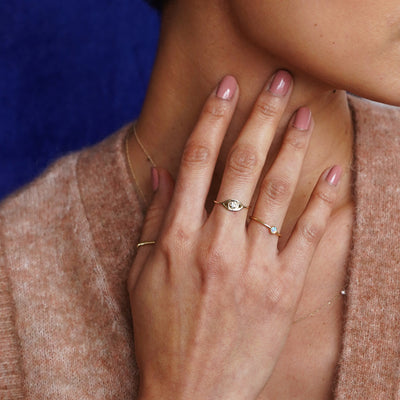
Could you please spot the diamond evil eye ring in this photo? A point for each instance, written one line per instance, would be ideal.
(273, 230)
(232, 204)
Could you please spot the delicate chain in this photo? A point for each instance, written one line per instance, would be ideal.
(129, 159)
(320, 308)
(142, 147)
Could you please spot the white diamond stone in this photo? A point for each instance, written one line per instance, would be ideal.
(233, 205)
(274, 230)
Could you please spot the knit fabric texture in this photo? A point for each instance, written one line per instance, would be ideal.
(370, 362)
(68, 239)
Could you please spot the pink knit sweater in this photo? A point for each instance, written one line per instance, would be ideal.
(68, 239)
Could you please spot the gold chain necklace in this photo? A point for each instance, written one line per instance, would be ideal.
(148, 157)
(320, 308)
(153, 164)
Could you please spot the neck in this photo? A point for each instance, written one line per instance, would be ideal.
(197, 49)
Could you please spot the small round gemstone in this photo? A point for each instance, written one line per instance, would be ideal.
(233, 205)
(274, 230)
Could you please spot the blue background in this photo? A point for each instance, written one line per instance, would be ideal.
(71, 73)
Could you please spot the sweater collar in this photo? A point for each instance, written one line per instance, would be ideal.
(113, 210)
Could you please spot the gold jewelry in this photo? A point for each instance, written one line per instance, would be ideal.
(273, 230)
(153, 164)
(231, 204)
(133, 128)
(140, 244)
(319, 309)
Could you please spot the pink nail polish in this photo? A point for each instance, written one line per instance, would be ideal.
(302, 119)
(155, 178)
(334, 175)
(227, 88)
(281, 83)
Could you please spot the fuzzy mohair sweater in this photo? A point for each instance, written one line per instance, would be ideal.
(68, 241)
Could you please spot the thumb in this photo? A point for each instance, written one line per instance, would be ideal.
(163, 186)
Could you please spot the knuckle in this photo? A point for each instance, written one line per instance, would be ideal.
(215, 109)
(243, 160)
(276, 190)
(325, 197)
(296, 140)
(267, 109)
(196, 154)
(214, 260)
(174, 240)
(311, 232)
(165, 244)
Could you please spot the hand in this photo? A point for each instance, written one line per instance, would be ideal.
(213, 301)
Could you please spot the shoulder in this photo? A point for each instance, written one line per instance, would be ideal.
(69, 190)
(66, 246)
(44, 200)
(27, 220)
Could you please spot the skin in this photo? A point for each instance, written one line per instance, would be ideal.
(201, 42)
(225, 307)
(337, 42)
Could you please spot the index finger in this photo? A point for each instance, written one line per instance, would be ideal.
(201, 152)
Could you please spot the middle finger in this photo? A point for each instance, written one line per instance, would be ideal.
(248, 154)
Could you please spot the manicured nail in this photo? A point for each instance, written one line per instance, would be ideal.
(334, 175)
(227, 88)
(302, 119)
(280, 83)
(155, 178)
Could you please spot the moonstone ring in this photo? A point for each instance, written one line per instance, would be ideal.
(273, 230)
(232, 204)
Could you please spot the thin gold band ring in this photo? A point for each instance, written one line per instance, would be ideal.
(140, 244)
(273, 230)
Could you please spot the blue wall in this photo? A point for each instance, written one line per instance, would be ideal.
(71, 72)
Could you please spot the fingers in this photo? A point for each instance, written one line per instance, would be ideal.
(312, 223)
(154, 219)
(278, 186)
(248, 154)
(201, 152)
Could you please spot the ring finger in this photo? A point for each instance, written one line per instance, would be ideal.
(278, 186)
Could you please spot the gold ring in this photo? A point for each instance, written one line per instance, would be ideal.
(273, 230)
(231, 204)
(140, 244)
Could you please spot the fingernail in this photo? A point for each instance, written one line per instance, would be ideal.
(227, 88)
(155, 178)
(280, 83)
(334, 175)
(302, 119)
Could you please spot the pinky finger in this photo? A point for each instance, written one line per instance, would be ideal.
(313, 222)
